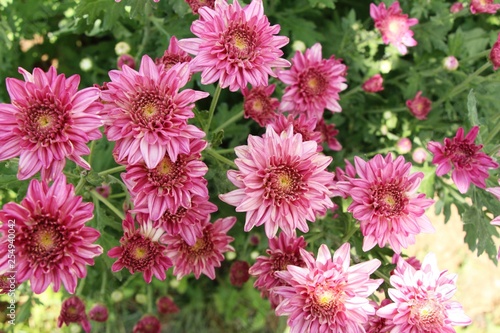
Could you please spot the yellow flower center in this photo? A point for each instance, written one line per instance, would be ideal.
(149, 110)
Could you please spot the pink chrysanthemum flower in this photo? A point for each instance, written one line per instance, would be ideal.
(328, 135)
(419, 106)
(495, 54)
(313, 83)
(52, 243)
(147, 116)
(141, 250)
(378, 324)
(394, 25)
(341, 175)
(147, 324)
(327, 295)
(170, 184)
(483, 6)
(48, 121)
(166, 305)
(99, 312)
(236, 45)
(374, 84)
(195, 5)
(173, 55)
(456, 7)
(301, 125)
(205, 254)
(280, 182)
(259, 105)
(469, 164)
(422, 299)
(386, 202)
(283, 250)
(238, 273)
(125, 60)
(73, 311)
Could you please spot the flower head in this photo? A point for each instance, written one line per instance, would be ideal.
(125, 60)
(197, 4)
(235, 45)
(141, 250)
(374, 84)
(238, 273)
(259, 105)
(52, 243)
(419, 106)
(313, 83)
(327, 295)
(301, 125)
(147, 115)
(394, 25)
(173, 55)
(73, 311)
(205, 254)
(147, 324)
(386, 202)
(483, 6)
(462, 155)
(280, 182)
(328, 135)
(456, 7)
(378, 324)
(422, 299)
(166, 305)
(495, 54)
(99, 313)
(48, 121)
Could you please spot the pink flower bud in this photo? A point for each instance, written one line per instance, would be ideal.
(495, 54)
(456, 7)
(147, 324)
(419, 106)
(126, 59)
(374, 84)
(450, 63)
(238, 274)
(404, 145)
(166, 305)
(99, 312)
(419, 155)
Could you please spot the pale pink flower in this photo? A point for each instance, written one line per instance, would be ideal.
(464, 157)
(378, 324)
(341, 175)
(141, 250)
(173, 55)
(170, 184)
(495, 54)
(403, 145)
(147, 324)
(422, 299)
(394, 25)
(483, 6)
(374, 84)
(419, 106)
(456, 7)
(73, 311)
(412, 261)
(386, 202)
(281, 182)
(301, 125)
(259, 105)
(206, 254)
(48, 121)
(328, 135)
(125, 60)
(419, 155)
(327, 295)
(195, 5)
(313, 83)
(235, 45)
(147, 115)
(450, 63)
(283, 250)
(52, 243)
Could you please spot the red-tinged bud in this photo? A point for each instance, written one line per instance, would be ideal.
(99, 312)
(238, 274)
(419, 106)
(374, 84)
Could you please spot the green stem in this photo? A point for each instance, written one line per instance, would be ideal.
(212, 108)
(80, 287)
(225, 150)
(400, 109)
(383, 276)
(117, 195)
(108, 204)
(220, 158)
(80, 184)
(229, 121)
(150, 298)
(145, 36)
(112, 170)
(92, 145)
(103, 283)
(349, 234)
(350, 92)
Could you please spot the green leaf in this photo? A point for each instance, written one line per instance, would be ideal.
(472, 109)
(479, 232)
(322, 3)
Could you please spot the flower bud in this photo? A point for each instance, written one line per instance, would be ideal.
(166, 305)
(419, 106)
(404, 145)
(450, 63)
(419, 155)
(238, 273)
(99, 312)
(374, 84)
(495, 54)
(456, 7)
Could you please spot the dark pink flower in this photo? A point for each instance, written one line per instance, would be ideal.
(8, 283)
(73, 311)
(394, 25)
(197, 4)
(328, 135)
(141, 250)
(483, 6)
(301, 125)
(313, 83)
(52, 243)
(378, 324)
(495, 54)
(456, 7)
(238, 273)
(99, 313)
(235, 45)
(147, 324)
(281, 182)
(205, 254)
(419, 106)
(386, 202)
(166, 305)
(147, 115)
(464, 157)
(374, 84)
(327, 295)
(422, 299)
(127, 60)
(48, 121)
(259, 105)
(173, 55)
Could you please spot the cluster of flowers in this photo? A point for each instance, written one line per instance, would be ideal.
(282, 179)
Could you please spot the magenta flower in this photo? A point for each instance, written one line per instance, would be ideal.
(419, 106)
(99, 313)
(52, 243)
(238, 273)
(327, 295)
(259, 105)
(170, 184)
(173, 55)
(386, 202)
(422, 299)
(283, 250)
(456, 7)
(495, 53)
(73, 311)
(280, 182)
(147, 115)
(328, 135)
(147, 324)
(301, 125)
(483, 6)
(195, 5)
(141, 250)
(394, 26)
(374, 84)
(235, 45)
(166, 305)
(125, 60)
(48, 121)
(469, 164)
(206, 254)
(313, 83)
(378, 324)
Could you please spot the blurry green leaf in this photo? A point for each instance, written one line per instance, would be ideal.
(322, 3)
(479, 232)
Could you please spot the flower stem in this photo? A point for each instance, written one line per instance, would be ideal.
(112, 170)
(351, 231)
(212, 108)
(80, 184)
(350, 92)
(108, 204)
(92, 145)
(229, 121)
(150, 298)
(220, 158)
